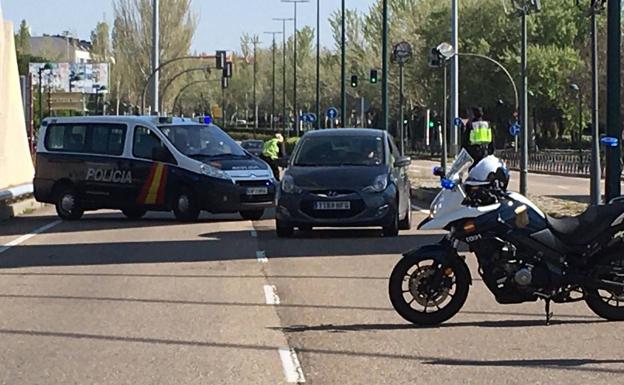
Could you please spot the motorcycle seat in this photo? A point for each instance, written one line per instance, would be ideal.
(585, 227)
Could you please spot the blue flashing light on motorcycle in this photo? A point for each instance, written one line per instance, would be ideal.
(447, 184)
(609, 141)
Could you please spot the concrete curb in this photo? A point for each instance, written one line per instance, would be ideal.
(10, 209)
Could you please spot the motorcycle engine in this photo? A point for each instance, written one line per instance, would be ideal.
(511, 276)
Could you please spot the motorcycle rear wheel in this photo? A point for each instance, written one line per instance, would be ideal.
(608, 303)
(410, 284)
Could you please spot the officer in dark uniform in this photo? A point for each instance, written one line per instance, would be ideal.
(478, 138)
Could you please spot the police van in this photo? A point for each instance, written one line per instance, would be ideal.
(138, 164)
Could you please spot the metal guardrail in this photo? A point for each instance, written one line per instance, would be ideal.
(16, 192)
(561, 162)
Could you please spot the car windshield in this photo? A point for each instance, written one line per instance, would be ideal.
(202, 140)
(340, 150)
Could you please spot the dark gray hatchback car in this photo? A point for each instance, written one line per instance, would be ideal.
(345, 178)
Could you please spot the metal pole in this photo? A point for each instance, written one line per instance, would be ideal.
(580, 127)
(384, 78)
(285, 118)
(595, 148)
(255, 68)
(401, 112)
(40, 96)
(223, 119)
(273, 87)
(362, 113)
(454, 75)
(155, 56)
(614, 119)
(318, 64)
(295, 75)
(343, 92)
(444, 124)
(524, 115)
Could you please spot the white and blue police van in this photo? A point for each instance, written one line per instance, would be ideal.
(141, 163)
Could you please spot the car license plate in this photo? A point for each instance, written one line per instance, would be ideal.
(257, 191)
(332, 205)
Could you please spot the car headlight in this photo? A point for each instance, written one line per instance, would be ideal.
(379, 184)
(289, 186)
(214, 172)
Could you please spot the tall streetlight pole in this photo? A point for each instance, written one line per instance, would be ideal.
(343, 42)
(284, 117)
(384, 64)
(614, 115)
(523, 8)
(454, 76)
(318, 64)
(295, 2)
(273, 78)
(255, 72)
(155, 56)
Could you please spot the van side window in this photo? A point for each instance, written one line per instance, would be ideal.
(146, 144)
(94, 138)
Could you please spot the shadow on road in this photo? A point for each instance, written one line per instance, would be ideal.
(576, 364)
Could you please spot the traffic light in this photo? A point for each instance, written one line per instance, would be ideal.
(373, 76)
(354, 81)
(227, 70)
(220, 56)
(435, 58)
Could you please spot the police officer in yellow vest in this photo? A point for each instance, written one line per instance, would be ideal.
(478, 138)
(271, 153)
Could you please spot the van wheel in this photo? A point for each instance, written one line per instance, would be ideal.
(68, 204)
(134, 213)
(185, 207)
(252, 215)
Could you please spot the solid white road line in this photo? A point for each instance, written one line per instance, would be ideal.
(26, 237)
(270, 294)
(261, 256)
(291, 365)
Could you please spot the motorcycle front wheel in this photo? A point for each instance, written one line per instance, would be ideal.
(426, 292)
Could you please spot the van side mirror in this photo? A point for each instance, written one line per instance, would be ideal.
(161, 154)
(403, 161)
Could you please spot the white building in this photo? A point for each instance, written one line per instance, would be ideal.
(60, 48)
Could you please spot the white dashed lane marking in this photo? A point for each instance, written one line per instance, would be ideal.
(26, 237)
(270, 295)
(291, 365)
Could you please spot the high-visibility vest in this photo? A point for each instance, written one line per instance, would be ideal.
(270, 149)
(481, 133)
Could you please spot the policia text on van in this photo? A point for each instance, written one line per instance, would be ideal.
(137, 164)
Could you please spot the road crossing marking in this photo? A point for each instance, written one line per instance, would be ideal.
(261, 256)
(26, 237)
(291, 365)
(270, 294)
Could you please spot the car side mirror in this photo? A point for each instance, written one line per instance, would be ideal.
(161, 154)
(283, 161)
(403, 161)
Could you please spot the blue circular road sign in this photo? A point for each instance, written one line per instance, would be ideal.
(457, 121)
(609, 141)
(332, 113)
(514, 129)
(311, 117)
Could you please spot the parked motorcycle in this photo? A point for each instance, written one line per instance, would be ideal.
(523, 254)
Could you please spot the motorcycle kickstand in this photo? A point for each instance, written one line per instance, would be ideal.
(549, 314)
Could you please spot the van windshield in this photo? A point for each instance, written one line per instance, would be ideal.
(199, 140)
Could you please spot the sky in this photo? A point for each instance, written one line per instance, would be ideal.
(221, 22)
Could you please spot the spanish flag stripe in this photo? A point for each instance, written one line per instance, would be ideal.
(153, 190)
(163, 184)
(146, 185)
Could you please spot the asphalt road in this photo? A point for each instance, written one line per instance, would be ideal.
(555, 186)
(110, 301)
